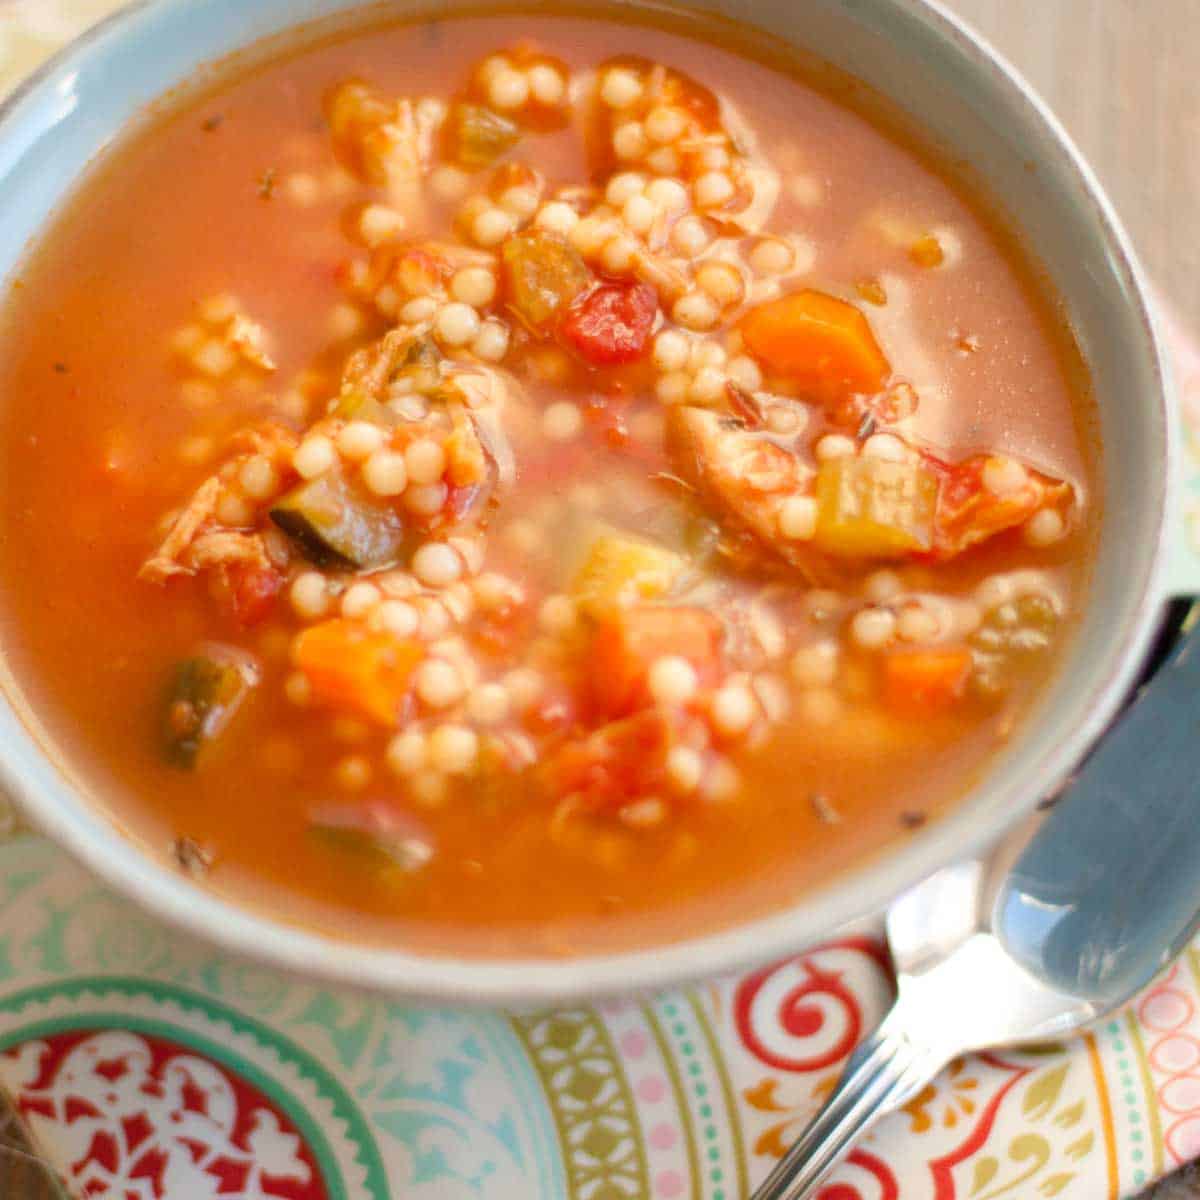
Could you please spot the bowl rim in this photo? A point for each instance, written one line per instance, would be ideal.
(95, 839)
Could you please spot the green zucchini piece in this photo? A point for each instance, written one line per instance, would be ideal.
(335, 523)
(205, 696)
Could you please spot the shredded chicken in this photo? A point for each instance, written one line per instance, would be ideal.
(370, 369)
(165, 562)
(743, 471)
(224, 547)
(271, 439)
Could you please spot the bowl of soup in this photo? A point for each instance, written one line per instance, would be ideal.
(514, 504)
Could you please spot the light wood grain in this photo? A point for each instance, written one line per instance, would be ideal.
(1124, 77)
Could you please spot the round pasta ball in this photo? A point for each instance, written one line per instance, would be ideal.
(620, 88)
(385, 473)
(407, 754)
(456, 323)
(437, 565)
(359, 440)
(672, 680)
(425, 460)
(314, 456)
(475, 286)
(439, 684)
(453, 749)
(508, 89)
(547, 84)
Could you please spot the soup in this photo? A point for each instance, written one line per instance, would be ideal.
(511, 487)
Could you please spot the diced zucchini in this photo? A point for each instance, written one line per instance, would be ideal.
(335, 523)
(204, 697)
(480, 136)
(542, 273)
(870, 508)
(620, 570)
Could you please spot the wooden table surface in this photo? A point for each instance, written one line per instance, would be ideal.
(1122, 75)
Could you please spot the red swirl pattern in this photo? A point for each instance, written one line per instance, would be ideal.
(801, 1015)
(862, 1170)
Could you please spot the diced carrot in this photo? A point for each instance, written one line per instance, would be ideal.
(922, 681)
(819, 341)
(351, 668)
(627, 643)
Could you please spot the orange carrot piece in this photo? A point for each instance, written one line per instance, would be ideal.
(352, 669)
(923, 681)
(819, 341)
(626, 645)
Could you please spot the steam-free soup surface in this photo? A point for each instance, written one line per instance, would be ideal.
(510, 485)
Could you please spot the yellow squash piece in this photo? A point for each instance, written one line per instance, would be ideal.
(620, 570)
(869, 508)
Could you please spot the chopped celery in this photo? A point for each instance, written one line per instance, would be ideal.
(542, 274)
(481, 136)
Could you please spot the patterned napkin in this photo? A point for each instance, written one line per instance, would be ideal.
(146, 1065)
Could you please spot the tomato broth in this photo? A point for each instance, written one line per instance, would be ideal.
(507, 485)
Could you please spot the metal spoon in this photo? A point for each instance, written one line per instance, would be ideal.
(1103, 897)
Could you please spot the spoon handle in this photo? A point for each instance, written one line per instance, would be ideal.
(884, 1072)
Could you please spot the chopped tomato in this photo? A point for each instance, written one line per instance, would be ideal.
(610, 324)
(916, 681)
(968, 513)
(819, 341)
(627, 644)
(353, 669)
(620, 762)
(248, 591)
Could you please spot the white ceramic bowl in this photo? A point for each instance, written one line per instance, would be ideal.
(975, 108)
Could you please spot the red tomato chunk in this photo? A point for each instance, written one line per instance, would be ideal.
(610, 324)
